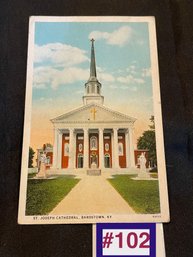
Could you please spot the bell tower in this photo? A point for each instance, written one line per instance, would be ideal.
(93, 86)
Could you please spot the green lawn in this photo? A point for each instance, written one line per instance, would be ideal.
(44, 195)
(154, 175)
(31, 175)
(142, 195)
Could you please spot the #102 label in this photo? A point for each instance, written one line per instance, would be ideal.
(126, 239)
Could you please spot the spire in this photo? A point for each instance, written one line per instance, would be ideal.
(92, 61)
(93, 86)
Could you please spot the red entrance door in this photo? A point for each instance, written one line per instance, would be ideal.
(65, 151)
(94, 149)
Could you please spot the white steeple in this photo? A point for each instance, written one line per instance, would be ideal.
(93, 86)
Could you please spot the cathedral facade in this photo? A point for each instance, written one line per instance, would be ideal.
(93, 133)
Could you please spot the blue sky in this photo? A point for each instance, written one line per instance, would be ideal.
(62, 61)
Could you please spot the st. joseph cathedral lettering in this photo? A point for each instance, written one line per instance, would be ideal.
(93, 133)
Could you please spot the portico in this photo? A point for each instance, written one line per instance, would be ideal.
(107, 147)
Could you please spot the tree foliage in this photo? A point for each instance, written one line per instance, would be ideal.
(147, 141)
(31, 156)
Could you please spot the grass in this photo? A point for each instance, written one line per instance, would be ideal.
(154, 175)
(141, 195)
(31, 175)
(44, 195)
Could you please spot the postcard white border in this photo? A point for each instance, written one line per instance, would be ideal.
(66, 219)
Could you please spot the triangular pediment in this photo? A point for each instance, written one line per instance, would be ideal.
(93, 113)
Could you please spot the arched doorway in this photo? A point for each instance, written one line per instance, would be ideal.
(80, 161)
(94, 159)
(107, 161)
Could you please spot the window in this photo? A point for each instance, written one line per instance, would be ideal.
(120, 149)
(80, 161)
(66, 149)
(93, 89)
(98, 90)
(107, 161)
(80, 147)
(106, 147)
(93, 143)
(94, 160)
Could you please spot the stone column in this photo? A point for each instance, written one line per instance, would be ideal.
(71, 149)
(55, 148)
(101, 149)
(86, 155)
(112, 150)
(116, 156)
(59, 160)
(127, 147)
(132, 158)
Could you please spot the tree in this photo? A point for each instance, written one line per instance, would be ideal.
(31, 156)
(147, 141)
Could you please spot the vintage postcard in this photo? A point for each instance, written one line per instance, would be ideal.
(93, 147)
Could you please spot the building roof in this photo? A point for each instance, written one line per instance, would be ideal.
(93, 113)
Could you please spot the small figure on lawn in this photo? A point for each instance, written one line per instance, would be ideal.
(142, 162)
(43, 162)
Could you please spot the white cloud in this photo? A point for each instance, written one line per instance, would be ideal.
(52, 77)
(48, 76)
(46, 99)
(79, 92)
(132, 69)
(59, 54)
(138, 81)
(113, 86)
(102, 76)
(146, 72)
(39, 85)
(129, 79)
(118, 37)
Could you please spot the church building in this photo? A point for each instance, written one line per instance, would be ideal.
(93, 133)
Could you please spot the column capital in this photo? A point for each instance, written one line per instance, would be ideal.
(115, 129)
(127, 130)
(59, 131)
(101, 129)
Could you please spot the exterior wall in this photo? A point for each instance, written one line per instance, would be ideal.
(78, 150)
(137, 154)
(65, 157)
(94, 151)
(122, 158)
(108, 141)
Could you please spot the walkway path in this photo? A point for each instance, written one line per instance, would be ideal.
(93, 194)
